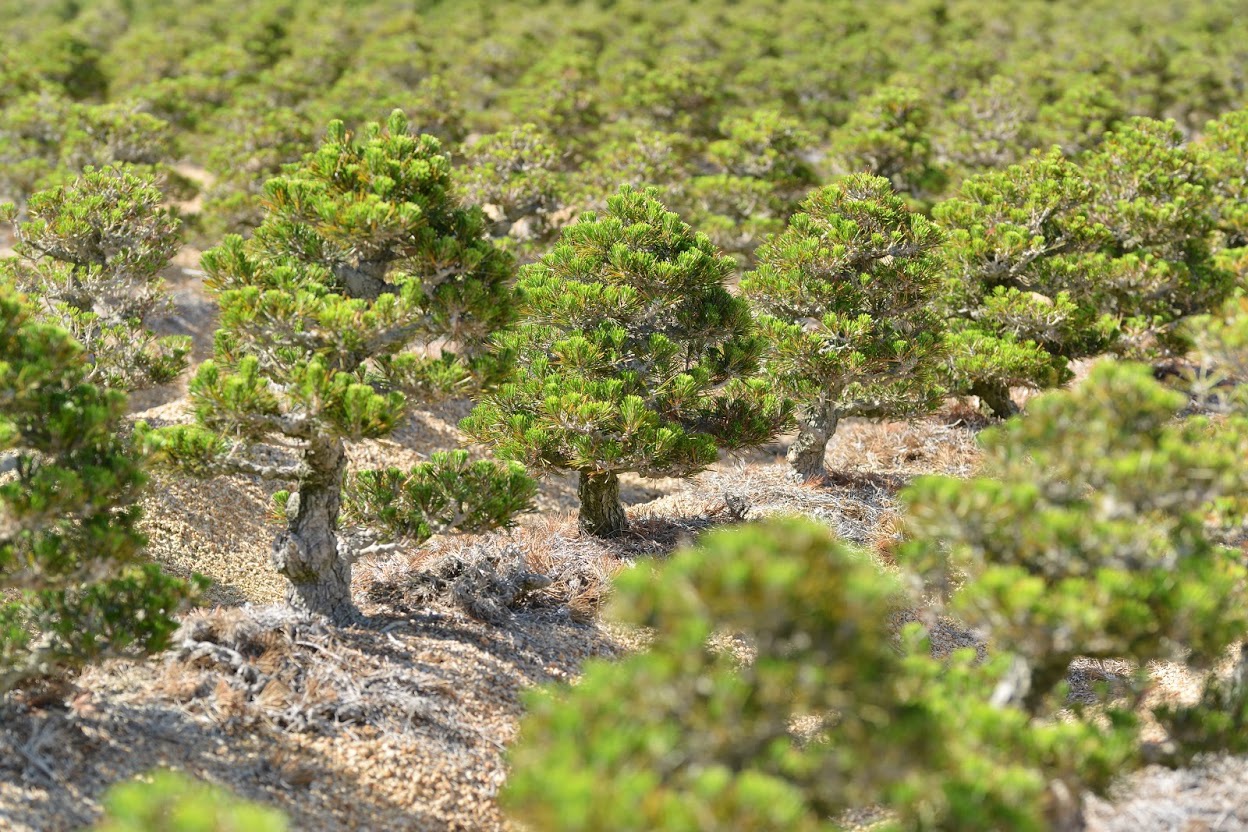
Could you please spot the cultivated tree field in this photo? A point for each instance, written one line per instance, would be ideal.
(539, 415)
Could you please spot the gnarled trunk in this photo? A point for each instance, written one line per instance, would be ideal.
(816, 424)
(307, 551)
(995, 397)
(602, 513)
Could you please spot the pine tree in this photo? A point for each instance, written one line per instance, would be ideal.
(74, 582)
(819, 714)
(846, 296)
(1157, 201)
(888, 135)
(515, 176)
(1088, 533)
(1020, 264)
(631, 356)
(92, 252)
(330, 317)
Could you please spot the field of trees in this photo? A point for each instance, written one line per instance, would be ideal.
(734, 415)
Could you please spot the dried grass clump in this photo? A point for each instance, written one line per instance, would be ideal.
(291, 672)
(545, 567)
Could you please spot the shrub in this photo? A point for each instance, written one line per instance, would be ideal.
(1018, 283)
(1087, 533)
(515, 175)
(630, 356)
(846, 299)
(328, 314)
(171, 802)
(816, 712)
(887, 135)
(75, 586)
(92, 251)
(1157, 202)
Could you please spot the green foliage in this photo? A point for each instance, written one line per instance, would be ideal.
(818, 714)
(759, 175)
(250, 144)
(1086, 535)
(171, 802)
(1018, 284)
(1225, 152)
(690, 739)
(846, 299)
(515, 175)
(92, 251)
(446, 493)
(887, 135)
(1073, 259)
(46, 141)
(76, 586)
(1152, 194)
(631, 356)
(329, 317)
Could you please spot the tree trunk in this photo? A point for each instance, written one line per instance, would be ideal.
(307, 551)
(816, 424)
(995, 397)
(602, 514)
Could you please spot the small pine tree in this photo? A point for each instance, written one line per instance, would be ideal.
(1224, 151)
(168, 801)
(92, 251)
(329, 319)
(846, 296)
(515, 176)
(819, 713)
(74, 584)
(888, 135)
(1088, 533)
(1155, 198)
(1019, 271)
(631, 356)
(758, 175)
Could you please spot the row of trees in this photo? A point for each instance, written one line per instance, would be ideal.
(733, 109)
(369, 288)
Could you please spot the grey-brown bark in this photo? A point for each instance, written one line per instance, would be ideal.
(996, 397)
(602, 513)
(307, 551)
(816, 425)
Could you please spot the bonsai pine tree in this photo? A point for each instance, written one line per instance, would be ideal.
(888, 134)
(758, 175)
(630, 356)
(515, 175)
(1020, 274)
(1224, 150)
(1157, 202)
(1088, 533)
(74, 584)
(330, 317)
(92, 252)
(825, 715)
(846, 300)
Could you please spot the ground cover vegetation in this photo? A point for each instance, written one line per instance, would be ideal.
(630, 237)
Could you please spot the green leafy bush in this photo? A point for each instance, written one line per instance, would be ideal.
(76, 587)
(363, 261)
(846, 297)
(171, 802)
(92, 251)
(815, 712)
(1087, 533)
(631, 355)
